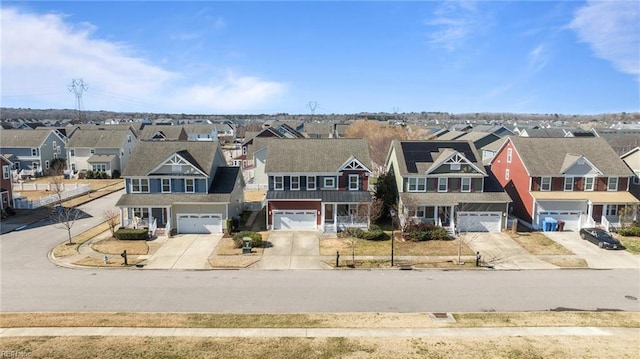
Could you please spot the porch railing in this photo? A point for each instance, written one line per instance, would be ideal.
(343, 222)
(605, 223)
(590, 222)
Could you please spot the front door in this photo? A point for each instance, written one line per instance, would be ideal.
(444, 214)
(596, 214)
(328, 213)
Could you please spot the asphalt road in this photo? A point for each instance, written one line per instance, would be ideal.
(30, 282)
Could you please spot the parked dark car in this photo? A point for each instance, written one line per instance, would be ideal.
(600, 237)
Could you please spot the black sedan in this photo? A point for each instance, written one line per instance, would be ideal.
(600, 237)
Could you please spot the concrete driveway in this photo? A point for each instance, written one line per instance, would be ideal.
(292, 250)
(185, 251)
(501, 252)
(596, 257)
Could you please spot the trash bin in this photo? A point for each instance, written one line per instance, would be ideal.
(549, 224)
(560, 226)
(246, 245)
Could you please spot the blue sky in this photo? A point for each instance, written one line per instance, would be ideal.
(267, 57)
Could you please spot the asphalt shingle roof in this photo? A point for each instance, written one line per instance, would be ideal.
(546, 156)
(416, 156)
(314, 155)
(149, 154)
(111, 138)
(22, 138)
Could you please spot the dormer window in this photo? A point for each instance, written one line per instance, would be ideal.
(354, 182)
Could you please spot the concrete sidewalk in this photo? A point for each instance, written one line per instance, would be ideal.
(319, 332)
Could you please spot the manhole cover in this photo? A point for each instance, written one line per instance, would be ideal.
(442, 317)
(630, 297)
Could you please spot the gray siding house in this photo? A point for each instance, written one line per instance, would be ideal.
(32, 151)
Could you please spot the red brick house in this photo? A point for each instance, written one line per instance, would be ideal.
(578, 180)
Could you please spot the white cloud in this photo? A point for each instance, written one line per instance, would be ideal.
(538, 58)
(612, 30)
(455, 22)
(42, 53)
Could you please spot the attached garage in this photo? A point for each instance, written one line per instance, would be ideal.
(193, 223)
(571, 219)
(295, 220)
(480, 221)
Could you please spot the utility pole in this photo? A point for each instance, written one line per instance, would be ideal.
(78, 87)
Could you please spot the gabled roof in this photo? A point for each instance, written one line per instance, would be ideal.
(451, 135)
(150, 154)
(150, 132)
(107, 138)
(23, 138)
(571, 159)
(314, 155)
(546, 156)
(205, 128)
(225, 180)
(417, 157)
(315, 128)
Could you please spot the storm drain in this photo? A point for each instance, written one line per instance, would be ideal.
(442, 317)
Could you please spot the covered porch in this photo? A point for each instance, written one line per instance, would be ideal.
(338, 217)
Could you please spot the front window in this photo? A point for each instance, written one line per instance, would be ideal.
(420, 211)
(354, 182)
(140, 185)
(568, 183)
(466, 184)
(311, 183)
(141, 212)
(189, 185)
(442, 184)
(99, 167)
(295, 183)
(329, 182)
(6, 172)
(612, 210)
(278, 183)
(417, 184)
(34, 152)
(588, 183)
(166, 185)
(72, 153)
(612, 184)
(545, 184)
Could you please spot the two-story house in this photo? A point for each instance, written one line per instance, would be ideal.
(201, 132)
(101, 150)
(186, 186)
(6, 187)
(445, 183)
(317, 184)
(32, 151)
(632, 159)
(163, 133)
(578, 180)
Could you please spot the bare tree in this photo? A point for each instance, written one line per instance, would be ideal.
(64, 217)
(372, 209)
(379, 137)
(112, 217)
(407, 212)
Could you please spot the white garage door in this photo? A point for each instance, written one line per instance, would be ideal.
(200, 223)
(571, 218)
(294, 220)
(480, 221)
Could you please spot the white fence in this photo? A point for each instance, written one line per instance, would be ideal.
(256, 187)
(24, 203)
(17, 187)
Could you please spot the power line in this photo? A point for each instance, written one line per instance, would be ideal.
(78, 87)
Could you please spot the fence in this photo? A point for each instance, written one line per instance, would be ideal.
(17, 187)
(24, 203)
(256, 187)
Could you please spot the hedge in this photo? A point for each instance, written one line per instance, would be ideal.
(256, 238)
(425, 232)
(132, 234)
(629, 231)
(375, 233)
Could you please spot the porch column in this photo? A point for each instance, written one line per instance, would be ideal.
(150, 219)
(452, 223)
(335, 215)
(635, 212)
(122, 217)
(167, 221)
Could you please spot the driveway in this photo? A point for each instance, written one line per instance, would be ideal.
(501, 252)
(185, 251)
(292, 250)
(596, 257)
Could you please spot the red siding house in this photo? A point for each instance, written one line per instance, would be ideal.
(6, 189)
(580, 181)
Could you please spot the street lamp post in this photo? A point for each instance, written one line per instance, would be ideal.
(392, 212)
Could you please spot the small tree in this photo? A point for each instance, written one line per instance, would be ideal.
(64, 217)
(387, 192)
(112, 217)
(372, 209)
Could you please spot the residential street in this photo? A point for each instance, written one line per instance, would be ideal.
(30, 282)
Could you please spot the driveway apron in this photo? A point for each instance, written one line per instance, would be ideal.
(596, 257)
(292, 250)
(189, 251)
(501, 252)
